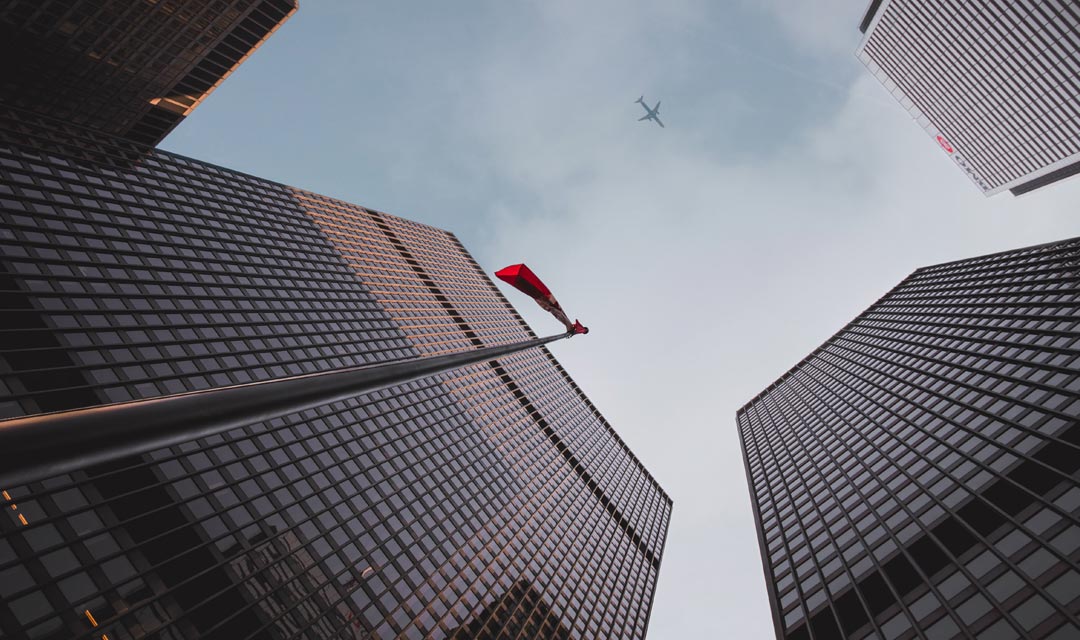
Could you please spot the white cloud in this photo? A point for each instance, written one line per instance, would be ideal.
(821, 26)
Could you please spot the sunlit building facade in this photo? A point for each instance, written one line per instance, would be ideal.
(996, 84)
(916, 475)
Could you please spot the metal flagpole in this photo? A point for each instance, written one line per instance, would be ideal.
(43, 445)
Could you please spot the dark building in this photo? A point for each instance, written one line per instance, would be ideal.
(493, 500)
(916, 475)
(995, 83)
(132, 68)
(404, 512)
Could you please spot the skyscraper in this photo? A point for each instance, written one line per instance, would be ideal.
(485, 501)
(915, 476)
(995, 84)
(132, 69)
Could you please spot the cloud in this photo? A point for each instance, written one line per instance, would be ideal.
(822, 26)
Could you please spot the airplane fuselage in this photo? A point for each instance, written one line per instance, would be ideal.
(650, 113)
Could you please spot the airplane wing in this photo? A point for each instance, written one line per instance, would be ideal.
(656, 109)
(644, 117)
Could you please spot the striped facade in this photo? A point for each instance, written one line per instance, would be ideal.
(916, 475)
(996, 83)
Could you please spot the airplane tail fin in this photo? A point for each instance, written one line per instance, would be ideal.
(640, 99)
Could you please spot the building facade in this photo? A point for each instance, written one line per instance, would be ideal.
(491, 501)
(996, 84)
(131, 69)
(916, 475)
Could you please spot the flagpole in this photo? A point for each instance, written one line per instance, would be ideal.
(44, 445)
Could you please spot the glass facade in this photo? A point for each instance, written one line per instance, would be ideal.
(995, 82)
(916, 475)
(492, 501)
(132, 69)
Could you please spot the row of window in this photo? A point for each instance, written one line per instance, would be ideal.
(1030, 96)
(879, 439)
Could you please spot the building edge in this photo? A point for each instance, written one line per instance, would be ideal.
(1064, 244)
(566, 376)
(1056, 175)
(868, 16)
(660, 563)
(775, 383)
(759, 529)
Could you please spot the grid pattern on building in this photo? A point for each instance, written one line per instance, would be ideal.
(522, 596)
(133, 69)
(173, 276)
(443, 302)
(421, 276)
(916, 475)
(598, 454)
(493, 498)
(998, 81)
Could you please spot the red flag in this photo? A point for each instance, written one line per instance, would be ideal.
(523, 279)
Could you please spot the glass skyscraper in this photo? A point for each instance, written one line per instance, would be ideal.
(916, 475)
(491, 501)
(995, 83)
(134, 69)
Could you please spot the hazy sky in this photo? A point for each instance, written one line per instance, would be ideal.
(787, 193)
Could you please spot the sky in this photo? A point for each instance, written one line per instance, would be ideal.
(786, 194)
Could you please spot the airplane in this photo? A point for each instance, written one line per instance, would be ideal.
(651, 113)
